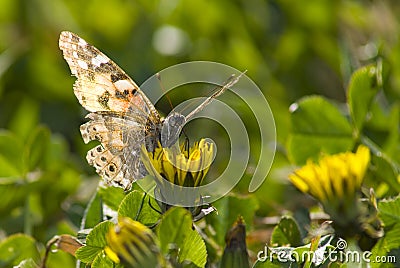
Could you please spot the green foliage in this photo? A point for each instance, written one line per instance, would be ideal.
(318, 123)
(193, 241)
(305, 56)
(17, 248)
(361, 91)
(95, 243)
(286, 233)
(93, 213)
(136, 205)
(229, 208)
(178, 238)
(389, 211)
(111, 196)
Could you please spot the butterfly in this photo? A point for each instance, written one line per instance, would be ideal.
(121, 117)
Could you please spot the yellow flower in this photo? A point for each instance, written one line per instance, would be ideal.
(336, 177)
(177, 168)
(336, 182)
(133, 244)
(186, 167)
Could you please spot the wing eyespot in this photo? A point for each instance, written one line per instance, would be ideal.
(111, 167)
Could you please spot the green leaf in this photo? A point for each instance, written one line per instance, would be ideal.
(27, 263)
(361, 91)
(287, 232)
(95, 243)
(93, 213)
(10, 155)
(136, 206)
(131, 205)
(193, 249)
(25, 118)
(175, 232)
(36, 148)
(384, 171)
(382, 127)
(173, 229)
(13, 194)
(87, 254)
(390, 241)
(103, 261)
(229, 208)
(317, 126)
(17, 248)
(112, 196)
(389, 211)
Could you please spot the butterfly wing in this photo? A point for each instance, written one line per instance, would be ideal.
(121, 114)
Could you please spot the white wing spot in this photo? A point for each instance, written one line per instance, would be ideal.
(99, 59)
(82, 42)
(123, 84)
(82, 64)
(75, 54)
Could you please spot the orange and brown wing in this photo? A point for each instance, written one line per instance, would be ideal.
(120, 111)
(102, 85)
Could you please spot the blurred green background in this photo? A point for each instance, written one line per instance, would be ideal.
(289, 49)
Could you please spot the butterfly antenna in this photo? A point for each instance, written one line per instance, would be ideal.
(158, 75)
(163, 89)
(233, 79)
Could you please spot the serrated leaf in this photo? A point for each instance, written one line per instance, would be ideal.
(193, 249)
(136, 206)
(390, 241)
(87, 254)
(175, 232)
(131, 205)
(317, 126)
(112, 196)
(362, 89)
(287, 232)
(175, 226)
(95, 242)
(17, 248)
(389, 211)
(103, 261)
(97, 237)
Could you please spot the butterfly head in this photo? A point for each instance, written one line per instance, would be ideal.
(171, 129)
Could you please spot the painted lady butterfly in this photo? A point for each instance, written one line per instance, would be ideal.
(121, 117)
